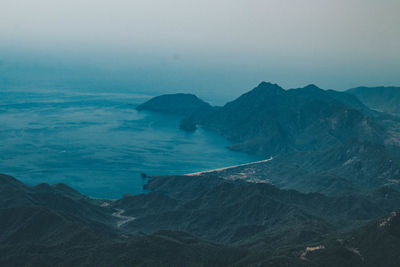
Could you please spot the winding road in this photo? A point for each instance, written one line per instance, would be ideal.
(123, 219)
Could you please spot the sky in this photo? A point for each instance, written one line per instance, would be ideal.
(216, 49)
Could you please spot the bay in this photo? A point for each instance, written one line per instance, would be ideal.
(98, 143)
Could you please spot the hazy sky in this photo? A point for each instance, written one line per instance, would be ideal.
(223, 47)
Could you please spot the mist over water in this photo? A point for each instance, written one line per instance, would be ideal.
(98, 143)
(215, 49)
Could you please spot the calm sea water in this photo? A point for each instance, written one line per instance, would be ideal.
(98, 143)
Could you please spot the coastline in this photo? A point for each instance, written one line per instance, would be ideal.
(229, 167)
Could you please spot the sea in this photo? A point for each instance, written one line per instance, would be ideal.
(98, 143)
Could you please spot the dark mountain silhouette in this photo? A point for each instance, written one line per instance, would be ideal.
(270, 120)
(179, 104)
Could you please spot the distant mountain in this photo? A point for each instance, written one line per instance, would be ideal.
(179, 104)
(322, 140)
(270, 120)
(386, 99)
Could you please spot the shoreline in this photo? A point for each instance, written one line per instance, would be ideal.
(229, 167)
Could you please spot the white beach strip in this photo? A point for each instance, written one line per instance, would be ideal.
(229, 167)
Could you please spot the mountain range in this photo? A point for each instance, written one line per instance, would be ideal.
(328, 195)
(270, 120)
(321, 140)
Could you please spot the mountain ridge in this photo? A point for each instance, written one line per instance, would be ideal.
(270, 120)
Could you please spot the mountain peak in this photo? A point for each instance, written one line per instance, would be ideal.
(268, 87)
(267, 84)
(264, 83)
(311, 87)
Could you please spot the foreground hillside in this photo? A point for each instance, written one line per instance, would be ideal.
(203, 220)
(57, 226)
